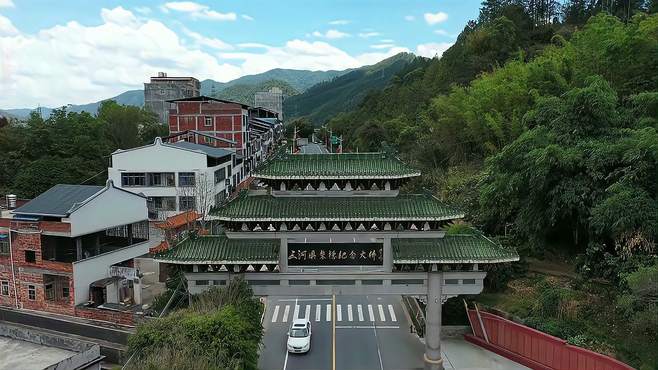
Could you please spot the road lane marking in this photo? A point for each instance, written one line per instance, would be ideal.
(349, 312)
(285, 362)
(367, 327)
(303, 300)
(275, 315)
(333, 324)
(339, 313)
(381, 312)
(392, 313)
(286, 311)
(307, 314)
(328, 313)
(370, 313)
(317, 312)
(295, 316)
(360, 312)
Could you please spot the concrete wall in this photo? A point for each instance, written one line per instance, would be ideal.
(87, 355)
(112, 207)
(95, 268)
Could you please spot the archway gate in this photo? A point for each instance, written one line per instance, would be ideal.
(317, 241)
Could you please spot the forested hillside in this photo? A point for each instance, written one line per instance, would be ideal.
(244, 93)
(542, 120)
(326, 99)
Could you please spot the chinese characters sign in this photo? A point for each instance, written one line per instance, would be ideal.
(326, 254)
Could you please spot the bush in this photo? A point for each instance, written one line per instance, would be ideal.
(220, 330)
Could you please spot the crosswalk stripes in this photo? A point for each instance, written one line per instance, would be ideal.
(381, 312)
(275, 315)
(286, 311)
(295, 315)
(376, 312)
(392, 313)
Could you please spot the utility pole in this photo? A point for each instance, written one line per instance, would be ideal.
(294, 141)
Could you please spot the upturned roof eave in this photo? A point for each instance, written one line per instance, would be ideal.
(334, 177)
(349, 219)
(455, 260)
(183, 261)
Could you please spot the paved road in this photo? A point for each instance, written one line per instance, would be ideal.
(313, 148)
(372, 332)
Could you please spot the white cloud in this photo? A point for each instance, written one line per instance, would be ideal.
(387, 41)
(201, 40)
(434, 18)
(87, 63)
(119, 16)
(432, 49)
(300, 54)
(143, 10)
(338, 22)
(247, 17)
(409, 18)
(441, 32)
(197, 10)
(252, 45)
(331, 34)
(382, 46)
(6, 4)
(90, 63)
(6, 28)
(366, 35)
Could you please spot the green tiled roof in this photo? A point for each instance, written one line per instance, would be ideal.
(335, 166)
(412, 207)
(451, 249)
(214, 249)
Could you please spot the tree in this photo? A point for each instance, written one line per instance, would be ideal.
(220, 330)
(123, 123)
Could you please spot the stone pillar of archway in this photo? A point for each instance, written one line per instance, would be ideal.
(432, 357)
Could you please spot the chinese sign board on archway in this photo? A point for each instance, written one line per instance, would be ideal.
(332, 254)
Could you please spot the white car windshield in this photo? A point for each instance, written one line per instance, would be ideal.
(299, 333)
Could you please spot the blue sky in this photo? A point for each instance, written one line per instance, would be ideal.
(58, 52)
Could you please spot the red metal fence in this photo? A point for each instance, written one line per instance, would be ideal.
(533, 348)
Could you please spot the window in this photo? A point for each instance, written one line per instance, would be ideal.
(161, 179)
(50, 291)
(162, 203)
(133, 179)
(186, 179)
(4, 245)
(202, 282)
(65, 292)
(31, 292)
(186, 203)
(4, 287)
(31, 256)
(220, 175)
(208, 122)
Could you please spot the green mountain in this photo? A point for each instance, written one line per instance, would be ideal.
(244, 93)
(299, 80)
(324, 100)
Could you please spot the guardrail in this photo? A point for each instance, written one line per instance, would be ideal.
(533, 348)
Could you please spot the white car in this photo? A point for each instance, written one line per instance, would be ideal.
(299, 336)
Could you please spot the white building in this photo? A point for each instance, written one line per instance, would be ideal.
(72, 248)
(176, 177)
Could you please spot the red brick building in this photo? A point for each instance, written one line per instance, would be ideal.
(71, 250)
(221, 119)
